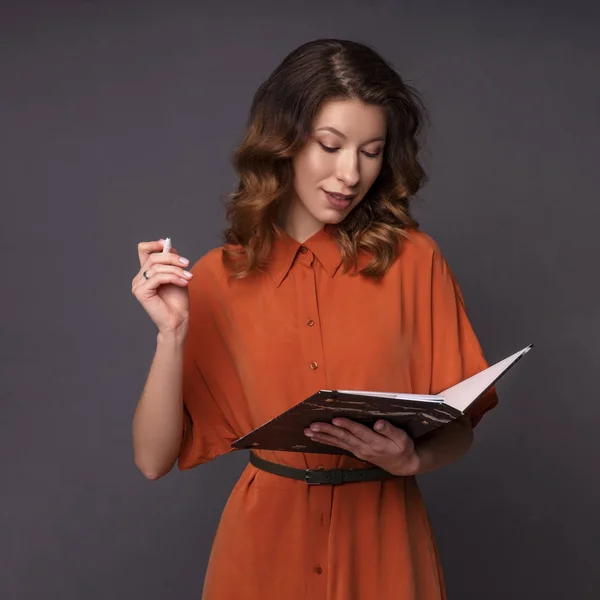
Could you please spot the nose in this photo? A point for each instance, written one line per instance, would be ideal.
(347, 169)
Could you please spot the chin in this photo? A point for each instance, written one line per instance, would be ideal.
(332, 217)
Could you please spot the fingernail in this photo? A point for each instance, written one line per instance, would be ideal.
(187, 274)
(379, 426)
(184, 261)
(308, 433)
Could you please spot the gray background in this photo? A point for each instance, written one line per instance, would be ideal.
(117, 124)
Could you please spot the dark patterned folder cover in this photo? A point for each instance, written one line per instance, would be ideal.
(415, 414)
(286, 432)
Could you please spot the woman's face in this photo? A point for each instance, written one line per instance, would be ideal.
(336, 167)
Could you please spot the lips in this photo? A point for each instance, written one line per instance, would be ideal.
(346, 197)
(339, 202)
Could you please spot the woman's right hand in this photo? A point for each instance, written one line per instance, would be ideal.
(164, 295)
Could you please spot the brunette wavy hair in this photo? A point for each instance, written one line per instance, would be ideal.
(280, 123)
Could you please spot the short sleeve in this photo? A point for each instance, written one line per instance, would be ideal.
(207, 429)
(456, 352)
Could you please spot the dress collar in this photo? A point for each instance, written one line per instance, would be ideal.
(285, 249)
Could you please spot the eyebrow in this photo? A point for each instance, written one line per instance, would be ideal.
(336, 132)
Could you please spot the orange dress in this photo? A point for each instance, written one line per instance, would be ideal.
(259, 345)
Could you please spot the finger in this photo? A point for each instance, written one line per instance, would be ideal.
(399, 437)
(337, 432)
(145, 249)
(156, 281)
(164, 258)
(362, 432)
(154, 270)
(329, 440)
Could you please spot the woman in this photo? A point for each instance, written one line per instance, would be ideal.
(325, 281)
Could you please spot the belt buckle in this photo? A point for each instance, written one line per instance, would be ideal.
(307, 475)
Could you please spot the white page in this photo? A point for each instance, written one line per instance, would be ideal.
(464, 393)
(394, 396)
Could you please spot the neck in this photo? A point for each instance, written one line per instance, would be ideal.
(297, 222)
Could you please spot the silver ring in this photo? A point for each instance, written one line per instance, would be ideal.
(145, 276)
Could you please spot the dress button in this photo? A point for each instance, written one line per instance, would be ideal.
(314, 365)
(303, 249)
(318, 569)
(310, 322)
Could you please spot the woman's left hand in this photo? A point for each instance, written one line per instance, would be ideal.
(387, 446)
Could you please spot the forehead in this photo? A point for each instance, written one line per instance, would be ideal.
(353, 118)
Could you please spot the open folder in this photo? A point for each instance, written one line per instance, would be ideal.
(416, 414)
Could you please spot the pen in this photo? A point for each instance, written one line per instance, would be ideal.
(167, 245)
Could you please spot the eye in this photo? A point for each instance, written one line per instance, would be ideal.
(328, 148)
(372, 154)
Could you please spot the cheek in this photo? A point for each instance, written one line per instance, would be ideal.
(313, 166)
(369, 173)
(372, 171)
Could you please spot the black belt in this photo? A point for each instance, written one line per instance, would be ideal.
(321, 476)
